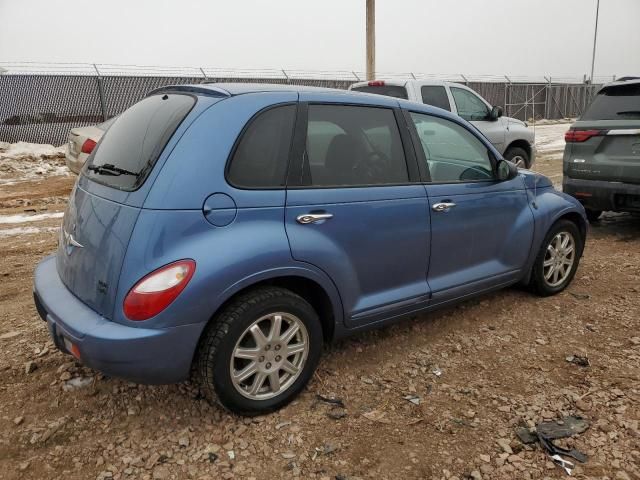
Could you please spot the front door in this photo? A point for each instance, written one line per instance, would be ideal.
(360, 213)
(481, 228)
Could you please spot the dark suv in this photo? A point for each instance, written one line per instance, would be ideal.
(602, 156)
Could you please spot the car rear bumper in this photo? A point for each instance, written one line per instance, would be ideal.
(142, 355)
(603, 195)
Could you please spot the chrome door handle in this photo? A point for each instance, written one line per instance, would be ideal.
(313, 217)
(443, 206)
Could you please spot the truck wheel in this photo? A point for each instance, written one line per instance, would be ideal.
(260, 351)
(557, 260)
(517, 155)
(593, 215)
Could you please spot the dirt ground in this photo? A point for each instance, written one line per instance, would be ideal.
(470, 374)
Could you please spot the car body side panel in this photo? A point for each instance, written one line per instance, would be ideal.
(228, 259)
(483, 240)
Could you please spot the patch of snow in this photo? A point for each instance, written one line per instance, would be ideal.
(13, 232)
(550, 139)
(22, 160)
(22, 149)
(29, 218)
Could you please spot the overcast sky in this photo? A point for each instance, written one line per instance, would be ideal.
(514, 37)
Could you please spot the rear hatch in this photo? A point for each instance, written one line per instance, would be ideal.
(605, 143)
(104, 205)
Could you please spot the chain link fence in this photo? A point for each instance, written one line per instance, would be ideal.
(41, 104)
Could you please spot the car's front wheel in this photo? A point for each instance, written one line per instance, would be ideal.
(260, 351)
(517, 155)
(558, 259)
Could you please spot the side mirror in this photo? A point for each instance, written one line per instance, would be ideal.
(506, 170)
(496, 113)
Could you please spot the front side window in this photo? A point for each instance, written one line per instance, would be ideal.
(469, 105)
(453, 153)
(352, 145)
(435, 95)
(260, 159)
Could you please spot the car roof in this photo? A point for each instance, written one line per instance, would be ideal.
(232, 89)
(620, 83)
(332, 94)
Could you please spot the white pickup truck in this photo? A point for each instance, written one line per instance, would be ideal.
(510, 136)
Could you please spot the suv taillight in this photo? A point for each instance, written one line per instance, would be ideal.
(88, 146)
(156, 291)
(577, 136)
(376, 83)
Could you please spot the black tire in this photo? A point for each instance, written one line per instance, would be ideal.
(515, 152)
(220, 337)
(593, 215)
(538, 283)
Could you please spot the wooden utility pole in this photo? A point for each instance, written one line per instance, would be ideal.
(371, 39)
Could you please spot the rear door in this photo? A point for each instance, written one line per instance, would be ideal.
(481, 228)
(475, 110)
(104, 205)
(355, 207)
(609, 146)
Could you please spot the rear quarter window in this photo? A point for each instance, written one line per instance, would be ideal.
(615, 103)
(435, 95)
(395, 91)
(131, 146)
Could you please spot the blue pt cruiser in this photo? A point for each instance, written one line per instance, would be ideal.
(230, 230)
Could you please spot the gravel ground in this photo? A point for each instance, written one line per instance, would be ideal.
(438, 396)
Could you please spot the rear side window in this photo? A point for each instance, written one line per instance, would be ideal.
(131, 146)
(395, 91)
(352, 146)
(615, 103)
(435, 95)
(261, 157)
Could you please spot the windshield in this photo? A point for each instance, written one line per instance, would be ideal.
(130, 147)
(621, 102)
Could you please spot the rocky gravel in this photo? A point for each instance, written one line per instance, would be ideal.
(439, 396)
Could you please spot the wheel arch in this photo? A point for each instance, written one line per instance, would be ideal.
(320, 292)
(519, 143)
(579, 220)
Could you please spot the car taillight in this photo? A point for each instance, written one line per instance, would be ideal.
(581, 135)
(88, 146)
(376, 83)
(156, 291)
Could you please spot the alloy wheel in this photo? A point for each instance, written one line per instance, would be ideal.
(269, 356)
(559, 259)
(519, 161)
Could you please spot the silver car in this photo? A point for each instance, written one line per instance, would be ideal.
(510, 136)
(82, 140)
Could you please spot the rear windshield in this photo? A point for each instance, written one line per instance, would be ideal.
(388, 90)
(133, 143)
(615, 103)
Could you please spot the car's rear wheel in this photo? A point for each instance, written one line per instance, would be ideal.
(517, 155)
(593, 215)
(260, 351)
(558, 259)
